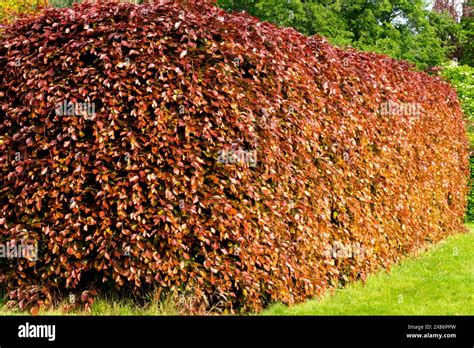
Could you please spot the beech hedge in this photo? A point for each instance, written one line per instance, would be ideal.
(182, 149)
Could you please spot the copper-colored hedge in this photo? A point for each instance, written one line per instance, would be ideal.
(140, 196)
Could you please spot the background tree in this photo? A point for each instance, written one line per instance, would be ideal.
(467, 24)
(449, 6)
(403, 29)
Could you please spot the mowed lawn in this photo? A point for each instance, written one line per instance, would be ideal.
(437, 282)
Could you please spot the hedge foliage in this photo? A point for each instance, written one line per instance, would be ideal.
(215, 156)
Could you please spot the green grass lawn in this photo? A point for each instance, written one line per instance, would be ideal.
(437, 282)
(107, 306)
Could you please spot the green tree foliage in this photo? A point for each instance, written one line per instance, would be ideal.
(449, 31)
(462, 78)
(62, 3)
(470, 199)
(321, 17)
(403, 29)
(467, 23)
